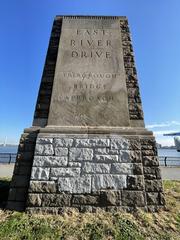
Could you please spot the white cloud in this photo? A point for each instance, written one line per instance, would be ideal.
(164, 124)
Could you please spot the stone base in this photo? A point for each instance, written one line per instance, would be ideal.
(86, 172)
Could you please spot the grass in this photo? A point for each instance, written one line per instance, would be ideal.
(164, 225)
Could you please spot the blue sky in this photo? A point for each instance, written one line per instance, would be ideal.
(25, 27)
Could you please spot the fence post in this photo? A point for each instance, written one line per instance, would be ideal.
(165, 162)
(9, 158)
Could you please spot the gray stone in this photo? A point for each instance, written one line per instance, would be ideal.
(101, 151)
(85, 200)
(39, 173)
(80, 154)
(42, 186)
(112, 198)
(90, 142)
(122, 168)
(41, 140)
(49, 161)
(64, 172)
(96, 168)
(152, 198)
(63, 142)
(104, 182)
(150, 161)
(153, 185)
(106, 158)
(135, 182)
(59, 151)
(74, 164)
(137, 169)
(44, 149)
(75, 185)
(133, 198)
(34, 200)
(120, 143)
(56, 200)
(130, 156)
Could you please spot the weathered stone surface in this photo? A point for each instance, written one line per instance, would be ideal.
(152, 198)
(133, 198)
(135, 144)
(59, 151)
(63, 142)
(106, 158)
(39, 173)
(120, 143)
(130, 156)
(74, 164)
(42, 186)
(135, 182)
(41, 140)
(92, 142)
(64, 172)
(80, 154)
(103, 182)
(110, 198)
(137, 169)
(56, 200)
(75, 185)
(44, 149)
(101, 151)
(153, 185)
(50, 161)
(122, 168)
(150, 161)
(113, 151)
(96, 168)
(85, 200)
(34, 200)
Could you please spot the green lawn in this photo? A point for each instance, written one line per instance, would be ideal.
(102, 225)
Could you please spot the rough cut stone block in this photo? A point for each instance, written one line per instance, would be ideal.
(130, 156)
(62, 172)
(153, 185)
(34, 200)
(104, 182)
(137, 169)
(59, 151)
(85, 200)
(75, 185)
(106, 158)
(135, 182)
(113, 151)
(80, 154)
(150, 161)
(39, 173)
(152, 198)
(135, 144)
(50, 161)
(44, 149)
(110, 198)
(44, 140)
(122, 168)
(42, 186)
(56, 200)
(120, 143)
(74, 164)
(63, 142)
(100, 151)
(92, 142)
(96, 168)
(133, 198)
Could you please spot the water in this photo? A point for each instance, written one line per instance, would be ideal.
(4, 158)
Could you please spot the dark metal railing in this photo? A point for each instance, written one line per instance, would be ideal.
(8, 157)
(169, 161)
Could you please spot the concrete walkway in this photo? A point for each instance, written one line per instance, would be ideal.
(168, 173)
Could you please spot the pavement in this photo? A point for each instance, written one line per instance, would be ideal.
(168, 173)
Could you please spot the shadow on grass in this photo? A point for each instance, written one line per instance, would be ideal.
(4, 191)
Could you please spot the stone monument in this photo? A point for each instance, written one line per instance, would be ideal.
(88, 147)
